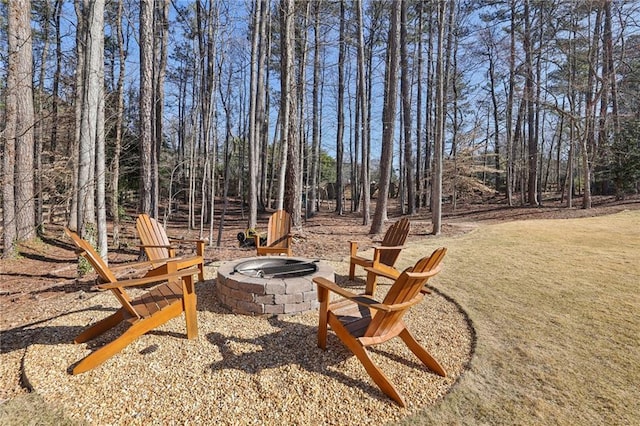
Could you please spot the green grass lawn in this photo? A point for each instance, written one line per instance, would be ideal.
(555, 305)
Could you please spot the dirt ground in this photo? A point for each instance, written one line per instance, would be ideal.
(41, 282)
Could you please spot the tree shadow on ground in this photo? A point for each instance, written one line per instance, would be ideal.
(39, 333)
(291, 344)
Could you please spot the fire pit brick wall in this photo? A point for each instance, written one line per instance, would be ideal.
(268, 296)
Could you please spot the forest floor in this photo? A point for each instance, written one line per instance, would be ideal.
(38, 284)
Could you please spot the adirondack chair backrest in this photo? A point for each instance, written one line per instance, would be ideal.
(396, 235)
(279, 227)
(87, 251)
(404, 290)
(151, 233)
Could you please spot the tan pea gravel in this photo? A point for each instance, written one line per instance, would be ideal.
(241, 370)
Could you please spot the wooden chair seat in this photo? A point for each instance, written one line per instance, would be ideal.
(361, 321)
(175, 295)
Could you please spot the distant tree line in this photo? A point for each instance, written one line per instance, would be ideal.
(114, 104)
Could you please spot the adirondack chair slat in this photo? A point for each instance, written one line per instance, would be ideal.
(368, 322)
(278, 235)
(159, 249)
(144, 313)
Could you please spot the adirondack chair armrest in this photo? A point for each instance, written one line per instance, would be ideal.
(148, 280)
(198, 240)
(426, 274)
(389, 247)
(383, 270)
(134, 265)
(360, 299)
(287, 237)
(399, 306)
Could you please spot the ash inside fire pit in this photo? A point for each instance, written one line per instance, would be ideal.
(270, 285)
(276, 267)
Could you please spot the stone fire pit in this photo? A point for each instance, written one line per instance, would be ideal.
(270, 285)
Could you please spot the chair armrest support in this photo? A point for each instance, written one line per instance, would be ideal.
(353, 248)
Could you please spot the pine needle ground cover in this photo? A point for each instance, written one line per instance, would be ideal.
(555, 305)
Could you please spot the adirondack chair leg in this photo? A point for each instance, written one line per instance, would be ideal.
(353, 250)
(352, 271)
(421, 353)
(323, 298)
(372, 280)
(136, 330)
(201, 273)
(363, 356)
(189, 299)
(100, 327)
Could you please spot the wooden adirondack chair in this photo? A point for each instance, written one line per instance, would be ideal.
(384, 255)
(175, 295)
(160, 250)
(360, 321)
(278, 235)
(382, 270)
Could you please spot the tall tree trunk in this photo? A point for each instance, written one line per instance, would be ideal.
(300, 84)
(291, 148)
(340, 111)
(91, 176)
(97, 85)
(419, 129)
(159, 73)
(24, 142)
(388, 118)
(254, 133)
(364, 121)
(18, 205)
(436, 177)
(146, 97)
(39, 123)
(56, 79)
(78, 100)
(532, 143)
(429, 115)
(509, 107)
(315, 114)
(491, 48)
(115, 162)
(262, 106)
(588, 141)
(406, 107)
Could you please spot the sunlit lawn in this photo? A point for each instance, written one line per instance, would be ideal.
(556, 308)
